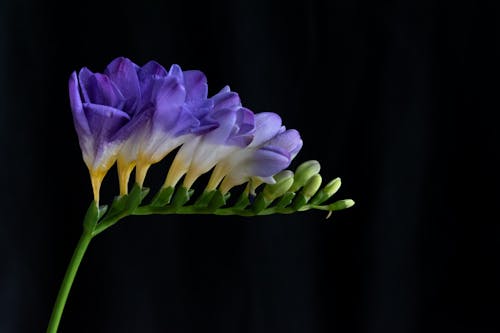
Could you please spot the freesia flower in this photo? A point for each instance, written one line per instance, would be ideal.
(272, 150)
(106, 110)
(136, 115)
(179, 111)
(199, 155)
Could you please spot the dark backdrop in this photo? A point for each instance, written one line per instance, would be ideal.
(398, 98)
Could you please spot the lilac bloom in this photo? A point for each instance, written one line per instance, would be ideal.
(202, 153)
(179, 111)
(270, 152)
(105, 112)
(136, 115)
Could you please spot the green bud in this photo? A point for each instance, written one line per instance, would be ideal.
(303, 173)
(312, 186)
(326, 192)
(341, 204)
(332, 187)
(284, 181)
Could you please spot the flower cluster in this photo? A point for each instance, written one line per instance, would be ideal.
(135, 115)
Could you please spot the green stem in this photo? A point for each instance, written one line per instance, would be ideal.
(69, 277)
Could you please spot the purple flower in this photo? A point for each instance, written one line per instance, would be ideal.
(271, 151)
(180, 112)
(136, 115)
(106, 110)
(202, 153)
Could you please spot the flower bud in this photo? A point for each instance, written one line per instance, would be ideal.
(332, 187)
(326, 192)
(303, 173)
(312, 186)
(284, 181)
(341, 204)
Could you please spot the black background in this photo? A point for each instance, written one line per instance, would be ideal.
(399, 98)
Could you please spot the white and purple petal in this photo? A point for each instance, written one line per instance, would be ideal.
(271, 151)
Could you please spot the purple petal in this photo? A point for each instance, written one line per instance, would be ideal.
(267, 126)
(152, 77)
(268, 161)
(289, 140)
(151, 87)
(152, 68)
(226, 119)
(123, 73)
(99, 89)
(196, 85)
(244, 128)
(136, 124)
(104, 121)
(202, 111)
(205, 127)
(175, 71)
(169, 101)
(226, 89)
(245, 120)
(79, 119)
(83, 78)
(185, 123)
(226, 99)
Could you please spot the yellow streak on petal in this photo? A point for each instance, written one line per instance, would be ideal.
(124, 171)
(141, 171)
(96, 177)
(178, 169)
(254, 183)
(191, 177)
(226, 186)
(219, 172)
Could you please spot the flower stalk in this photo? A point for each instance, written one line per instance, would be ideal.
(67, 282)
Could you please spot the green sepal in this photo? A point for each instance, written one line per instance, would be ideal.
(260, 203)
(134, 198)
(117, 207)
(242, 201)
(125, 204)
(102, 210)
(163, 197)
(91, 218)
(218, 200)
(285, 200)
(204, 199)
(299, 201)
(181, 197)
(144, 192)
